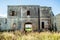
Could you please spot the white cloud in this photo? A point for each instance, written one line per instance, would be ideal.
(2, 12)
(3, 15)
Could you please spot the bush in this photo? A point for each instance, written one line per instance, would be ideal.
(7, 36)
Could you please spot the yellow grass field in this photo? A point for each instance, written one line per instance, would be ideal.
(29, 36)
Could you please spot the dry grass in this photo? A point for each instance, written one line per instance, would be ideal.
(30, 36)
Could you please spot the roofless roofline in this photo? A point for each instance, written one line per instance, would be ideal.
(24, 5)
(45, 6)
(29, 6)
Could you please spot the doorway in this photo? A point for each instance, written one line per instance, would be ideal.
(28, 26)
(42, 25)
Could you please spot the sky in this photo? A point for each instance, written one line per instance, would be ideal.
(50, 3)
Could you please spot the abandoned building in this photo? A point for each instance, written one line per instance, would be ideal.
(57, 22)
(34, 16)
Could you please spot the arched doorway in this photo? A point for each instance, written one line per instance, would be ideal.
(14, 26)
(28, 26)
(42, 25)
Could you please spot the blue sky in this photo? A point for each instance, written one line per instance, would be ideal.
(50, 3)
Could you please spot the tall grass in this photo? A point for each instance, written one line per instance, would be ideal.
(17, 35)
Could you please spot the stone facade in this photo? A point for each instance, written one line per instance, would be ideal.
(3, 23)
(57, 22)
(19, 15)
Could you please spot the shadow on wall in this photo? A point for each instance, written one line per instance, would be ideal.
(53, 28)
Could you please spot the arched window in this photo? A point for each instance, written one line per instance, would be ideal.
(14, 24)
(5, 21)
(13, 13)
(28, 12)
